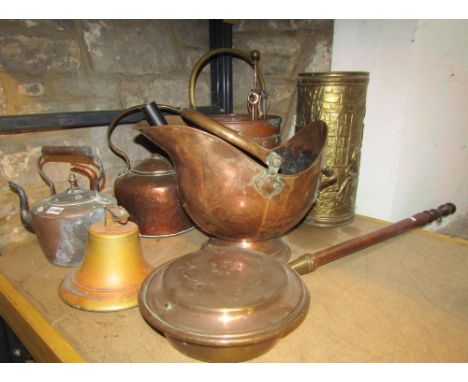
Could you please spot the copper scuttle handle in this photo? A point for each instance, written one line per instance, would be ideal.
(229, 135)
(310, 262)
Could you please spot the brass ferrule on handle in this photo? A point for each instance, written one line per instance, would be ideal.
(310, 262)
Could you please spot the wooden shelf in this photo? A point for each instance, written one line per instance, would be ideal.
(403, 300)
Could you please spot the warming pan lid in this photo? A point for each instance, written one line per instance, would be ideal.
(224, 297)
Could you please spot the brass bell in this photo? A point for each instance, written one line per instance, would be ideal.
(113, 267)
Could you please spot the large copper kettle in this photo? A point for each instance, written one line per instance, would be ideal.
(148, 190)
(61, 221)
(237, 191)
(257, 124)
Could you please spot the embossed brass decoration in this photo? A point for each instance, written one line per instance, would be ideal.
(338, 99)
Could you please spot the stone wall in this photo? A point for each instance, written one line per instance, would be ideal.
(76, 65)
(64, 65)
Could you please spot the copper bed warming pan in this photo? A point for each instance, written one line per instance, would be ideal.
(233, 304)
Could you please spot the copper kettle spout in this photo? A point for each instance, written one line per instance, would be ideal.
(25, 213)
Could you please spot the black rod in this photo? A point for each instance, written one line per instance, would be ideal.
(14, 124)
(221, 66)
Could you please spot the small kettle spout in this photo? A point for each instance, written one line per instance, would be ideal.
(25, 213)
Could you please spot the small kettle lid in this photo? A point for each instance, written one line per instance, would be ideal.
(154, 165)
(73, 195)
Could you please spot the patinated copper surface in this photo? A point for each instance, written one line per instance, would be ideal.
(224, 305)
(262, 128)
(148, 191)
(61, 221)
(266, 131)
(233, 197)
(274, 247)
(231, 305)
(112, 270)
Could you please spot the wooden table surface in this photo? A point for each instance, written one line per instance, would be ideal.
(404, 300)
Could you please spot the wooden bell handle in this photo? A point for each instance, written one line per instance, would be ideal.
(310, 262)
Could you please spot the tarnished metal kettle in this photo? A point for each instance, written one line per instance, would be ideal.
(148, 190)
(61, 221)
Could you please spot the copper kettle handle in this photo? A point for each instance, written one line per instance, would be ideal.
(68, 154)
(217, 52)
(269, 157)
(152, 114)
(89, 173)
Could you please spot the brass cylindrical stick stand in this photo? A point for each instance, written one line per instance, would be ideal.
(338, 99)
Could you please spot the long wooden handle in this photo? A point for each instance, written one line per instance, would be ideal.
(310, 262)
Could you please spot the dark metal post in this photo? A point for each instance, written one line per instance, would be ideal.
(221, 66)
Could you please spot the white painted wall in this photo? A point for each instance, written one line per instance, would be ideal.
(414, 151)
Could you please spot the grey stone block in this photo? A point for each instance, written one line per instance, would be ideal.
(318, 59)
(82, 85)
(3, 99)
(38, 26)
(38, 54)
(167, 90)
(258, 26)
(48, 105)
(284, 44)
(192, 33)
(33, 89)
(130, 46)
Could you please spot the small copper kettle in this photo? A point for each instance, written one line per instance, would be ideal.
(61, 221)
(148, 191)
